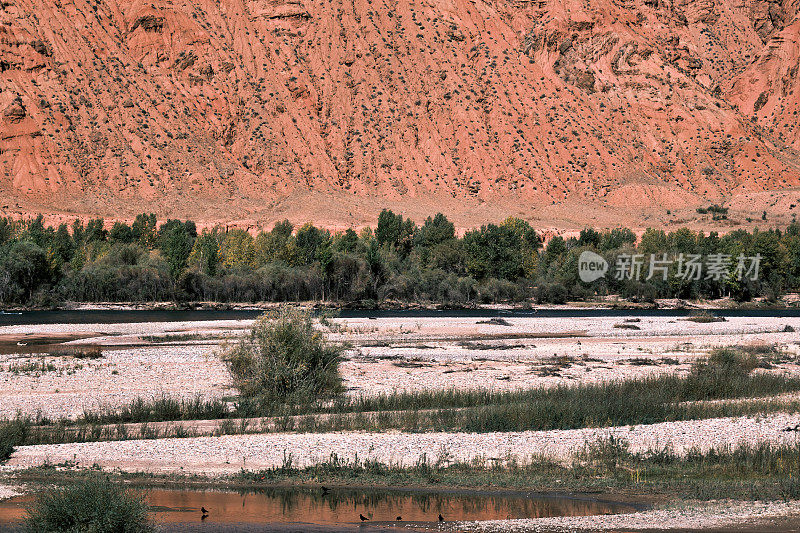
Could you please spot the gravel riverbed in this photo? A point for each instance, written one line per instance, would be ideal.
(388, 355)
(741, 516)
(230, 453)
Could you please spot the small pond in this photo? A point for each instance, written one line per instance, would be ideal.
(336, 510)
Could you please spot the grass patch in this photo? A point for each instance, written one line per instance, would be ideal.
(496, 321)
(642, 361)
(32, 367)
(726, 374)
(184, 337)
(703, 317)
(761, 472)
(85, 351)
(746, 472)
(12, 434)
(468, 345)
(160, 409)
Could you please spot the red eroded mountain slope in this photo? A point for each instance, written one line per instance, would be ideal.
(569, 112)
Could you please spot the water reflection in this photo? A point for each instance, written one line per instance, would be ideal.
(281, 508)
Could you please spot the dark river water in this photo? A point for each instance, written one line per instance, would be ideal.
(338, 510)
(119, 316)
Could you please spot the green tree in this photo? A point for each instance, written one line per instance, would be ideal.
(176, 240)
(448, 256)
(24, 268)
(311, 242)
(36, 232)
(435, 231)
(791, 244)
(682, 240)
(7, 229)
(524, 231)
(395, 232)
(493, 251)
(205, 254)
(78, 232)
(144, 230)
(238, 250)
(95, 231)
(530, 242)
(589, 237)
(554, 252)
(120, 233)
(346, 241)
(62, 247)
(348, 276)
(375, 262)
(617, 238)
(653, 241)
(272, 246)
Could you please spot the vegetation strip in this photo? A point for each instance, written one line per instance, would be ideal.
(374, 421)
(728, 374)
(42, 266)
(750, 472)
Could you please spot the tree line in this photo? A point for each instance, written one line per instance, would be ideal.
(398, 260)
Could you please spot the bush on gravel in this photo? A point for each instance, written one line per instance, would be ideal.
(285, 359)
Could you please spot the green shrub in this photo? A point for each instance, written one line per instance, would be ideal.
(606, 454)
(94, 505)
(285, 359)
(704, 317)
(12, 434)
(551, 293)
(723, 374)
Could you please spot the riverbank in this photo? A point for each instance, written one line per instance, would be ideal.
(181, 359)
(652, 507)
(718, 516)
(658, 454)
(788, 301)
